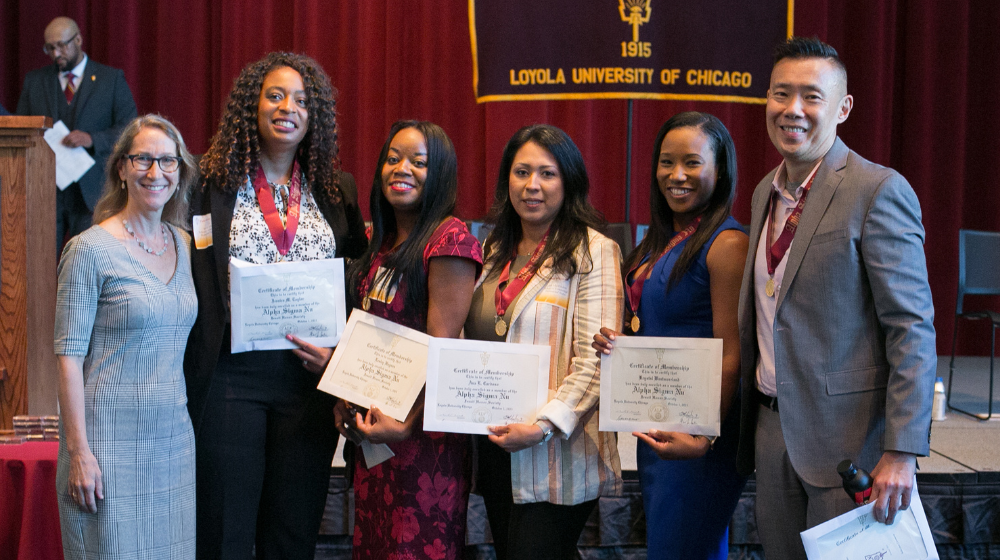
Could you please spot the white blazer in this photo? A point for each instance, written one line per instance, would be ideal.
(565, 312)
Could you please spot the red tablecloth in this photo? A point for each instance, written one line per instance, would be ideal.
(29, 514)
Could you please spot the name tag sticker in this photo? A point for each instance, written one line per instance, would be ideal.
(557, 294)
(203, 231)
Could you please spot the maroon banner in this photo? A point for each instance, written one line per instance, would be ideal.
(707, 50)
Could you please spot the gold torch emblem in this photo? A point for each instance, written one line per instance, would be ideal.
(634, 13)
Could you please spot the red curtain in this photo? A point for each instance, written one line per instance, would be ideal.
(924, 75)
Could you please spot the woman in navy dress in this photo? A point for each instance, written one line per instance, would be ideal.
(684, 281)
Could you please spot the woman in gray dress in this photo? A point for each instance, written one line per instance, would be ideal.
(125, 305)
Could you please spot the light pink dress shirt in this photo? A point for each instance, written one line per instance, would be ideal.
(765, 304)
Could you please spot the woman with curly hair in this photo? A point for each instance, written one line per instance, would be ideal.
(419, 271)
(271, 191)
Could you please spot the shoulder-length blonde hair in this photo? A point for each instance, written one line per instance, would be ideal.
(114, 198)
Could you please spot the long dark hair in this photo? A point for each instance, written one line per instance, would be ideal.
(720, 205)
(406, 265)
(235, 150)
(569, 229)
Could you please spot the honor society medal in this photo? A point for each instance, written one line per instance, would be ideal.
(634, 324)
(500, 327)
(769, 287)
(366, 303)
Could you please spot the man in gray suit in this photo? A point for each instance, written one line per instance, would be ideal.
(94, 102)
(836, 319)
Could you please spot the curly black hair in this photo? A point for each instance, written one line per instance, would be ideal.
(236, 146)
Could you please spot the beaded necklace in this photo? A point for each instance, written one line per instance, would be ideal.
(143, 246)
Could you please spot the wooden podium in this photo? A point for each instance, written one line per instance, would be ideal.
(29, 379)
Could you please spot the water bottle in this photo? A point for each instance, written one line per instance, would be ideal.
(857, 481)
(940, 401)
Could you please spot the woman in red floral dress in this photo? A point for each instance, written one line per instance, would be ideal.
(419, 271)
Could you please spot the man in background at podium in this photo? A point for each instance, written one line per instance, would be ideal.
(93, 101)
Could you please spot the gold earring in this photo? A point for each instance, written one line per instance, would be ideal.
(123, 185)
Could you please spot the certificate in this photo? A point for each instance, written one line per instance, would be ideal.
(671, 384)
(856, 535)
(269, 301)
(378, 363)
(472, 384)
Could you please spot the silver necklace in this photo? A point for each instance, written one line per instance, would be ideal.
(143, 246)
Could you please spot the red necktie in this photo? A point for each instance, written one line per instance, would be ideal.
(70, 90)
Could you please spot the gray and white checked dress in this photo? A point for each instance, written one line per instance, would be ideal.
(133, 329)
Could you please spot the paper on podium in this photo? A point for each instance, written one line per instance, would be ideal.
(856, 535)
(71, 163)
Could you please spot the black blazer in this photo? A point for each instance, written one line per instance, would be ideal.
(210, 269)
(102, 106)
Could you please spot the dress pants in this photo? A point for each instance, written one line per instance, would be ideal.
(264, 450)
(72, 215)
(541, 530)
(786, 504)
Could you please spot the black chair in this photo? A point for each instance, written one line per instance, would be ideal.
(621, 233)
(479, 229)
(978, 274)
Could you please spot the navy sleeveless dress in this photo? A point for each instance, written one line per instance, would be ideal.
(688, 504)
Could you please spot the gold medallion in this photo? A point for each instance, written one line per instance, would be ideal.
(634, 324)
(769, 287)
(366, 303)
(500, 327)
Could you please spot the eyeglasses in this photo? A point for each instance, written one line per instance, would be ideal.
(142, 162)
(50, 48)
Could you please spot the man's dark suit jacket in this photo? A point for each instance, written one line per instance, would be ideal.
(102, 106)
(210, 269)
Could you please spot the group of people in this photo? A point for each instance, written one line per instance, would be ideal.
(172, 446)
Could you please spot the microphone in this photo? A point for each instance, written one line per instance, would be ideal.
(857, 481)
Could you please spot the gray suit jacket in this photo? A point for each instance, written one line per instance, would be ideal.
(855, 355)
(102, 106)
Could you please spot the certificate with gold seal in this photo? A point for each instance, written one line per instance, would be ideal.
(472, 384)
(270, 301)
(662, 383)
(379, 363)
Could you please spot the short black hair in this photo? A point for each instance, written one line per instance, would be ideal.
(810, 47)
